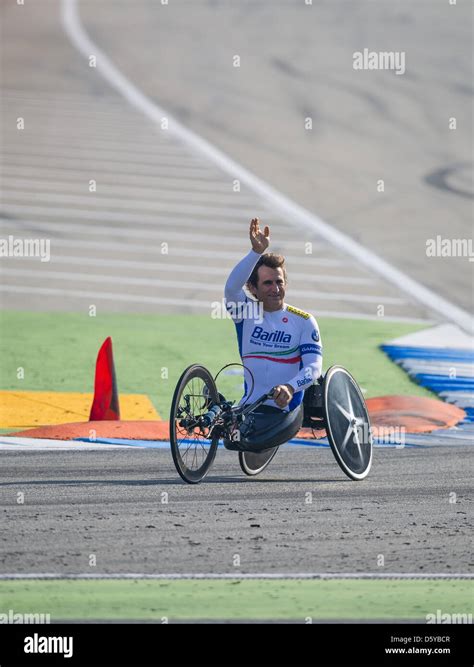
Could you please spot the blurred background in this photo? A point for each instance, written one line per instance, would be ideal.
(109, 188)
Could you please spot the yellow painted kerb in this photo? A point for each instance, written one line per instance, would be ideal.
(30, 409)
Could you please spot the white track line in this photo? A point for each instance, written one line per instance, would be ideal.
(238, 575)
(96, 118)
(107, 278)
(160, 233)
(138, 233)
(177, 251)
(162, 223)
(93, 135)
(156, 219)
(4, 447)
(14, 443)
(111, 279)
(128, 204)
(80, 186)
(107, 296)
(159, 227)
(46, 97)
(169, 159)
(86, 141)
(285, 206)
(181, 268)
(221, 186)
(92, 297)
(98, 164)
(135, 232)
(87, 145)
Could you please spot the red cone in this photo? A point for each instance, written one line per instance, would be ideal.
(105, 404)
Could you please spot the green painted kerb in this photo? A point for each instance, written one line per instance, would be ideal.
(296, 600)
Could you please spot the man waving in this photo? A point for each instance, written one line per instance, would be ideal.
(279, 344)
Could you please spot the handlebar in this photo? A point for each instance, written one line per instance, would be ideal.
(249, 408)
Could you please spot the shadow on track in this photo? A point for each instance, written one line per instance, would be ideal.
(174, 481)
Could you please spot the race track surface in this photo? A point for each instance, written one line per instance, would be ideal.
(296, 63)
(110, 504)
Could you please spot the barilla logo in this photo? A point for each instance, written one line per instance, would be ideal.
(274, 336)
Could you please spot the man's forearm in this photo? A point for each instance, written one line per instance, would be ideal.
(308, 374)
(239, 276)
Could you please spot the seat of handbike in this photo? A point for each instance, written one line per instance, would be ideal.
(267, 427)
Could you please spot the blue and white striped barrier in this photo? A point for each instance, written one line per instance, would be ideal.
(447, 371)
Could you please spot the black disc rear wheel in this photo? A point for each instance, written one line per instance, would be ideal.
(347, 423)
(192, 446)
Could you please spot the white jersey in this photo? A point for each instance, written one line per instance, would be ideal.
(278, 347)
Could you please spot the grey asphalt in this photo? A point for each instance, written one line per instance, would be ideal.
(112, 505)
(367, 125)
(296, 63)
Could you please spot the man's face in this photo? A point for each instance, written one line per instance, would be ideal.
(271, 288)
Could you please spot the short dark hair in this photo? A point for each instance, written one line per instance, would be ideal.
(271, 260)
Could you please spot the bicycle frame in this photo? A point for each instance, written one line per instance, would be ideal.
(237, 413)
(233, 416)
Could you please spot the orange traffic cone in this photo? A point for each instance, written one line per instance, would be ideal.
(106, 403)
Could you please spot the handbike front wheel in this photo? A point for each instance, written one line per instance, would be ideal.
(193, 448)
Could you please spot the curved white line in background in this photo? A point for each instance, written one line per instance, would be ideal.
(73, 27)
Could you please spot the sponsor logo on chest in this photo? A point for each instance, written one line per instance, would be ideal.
(278, 336)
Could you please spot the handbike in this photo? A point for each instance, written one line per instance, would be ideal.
(200, 417)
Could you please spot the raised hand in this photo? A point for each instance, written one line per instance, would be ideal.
(259, 240)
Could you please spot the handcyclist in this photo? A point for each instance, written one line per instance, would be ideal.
(279, 345)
